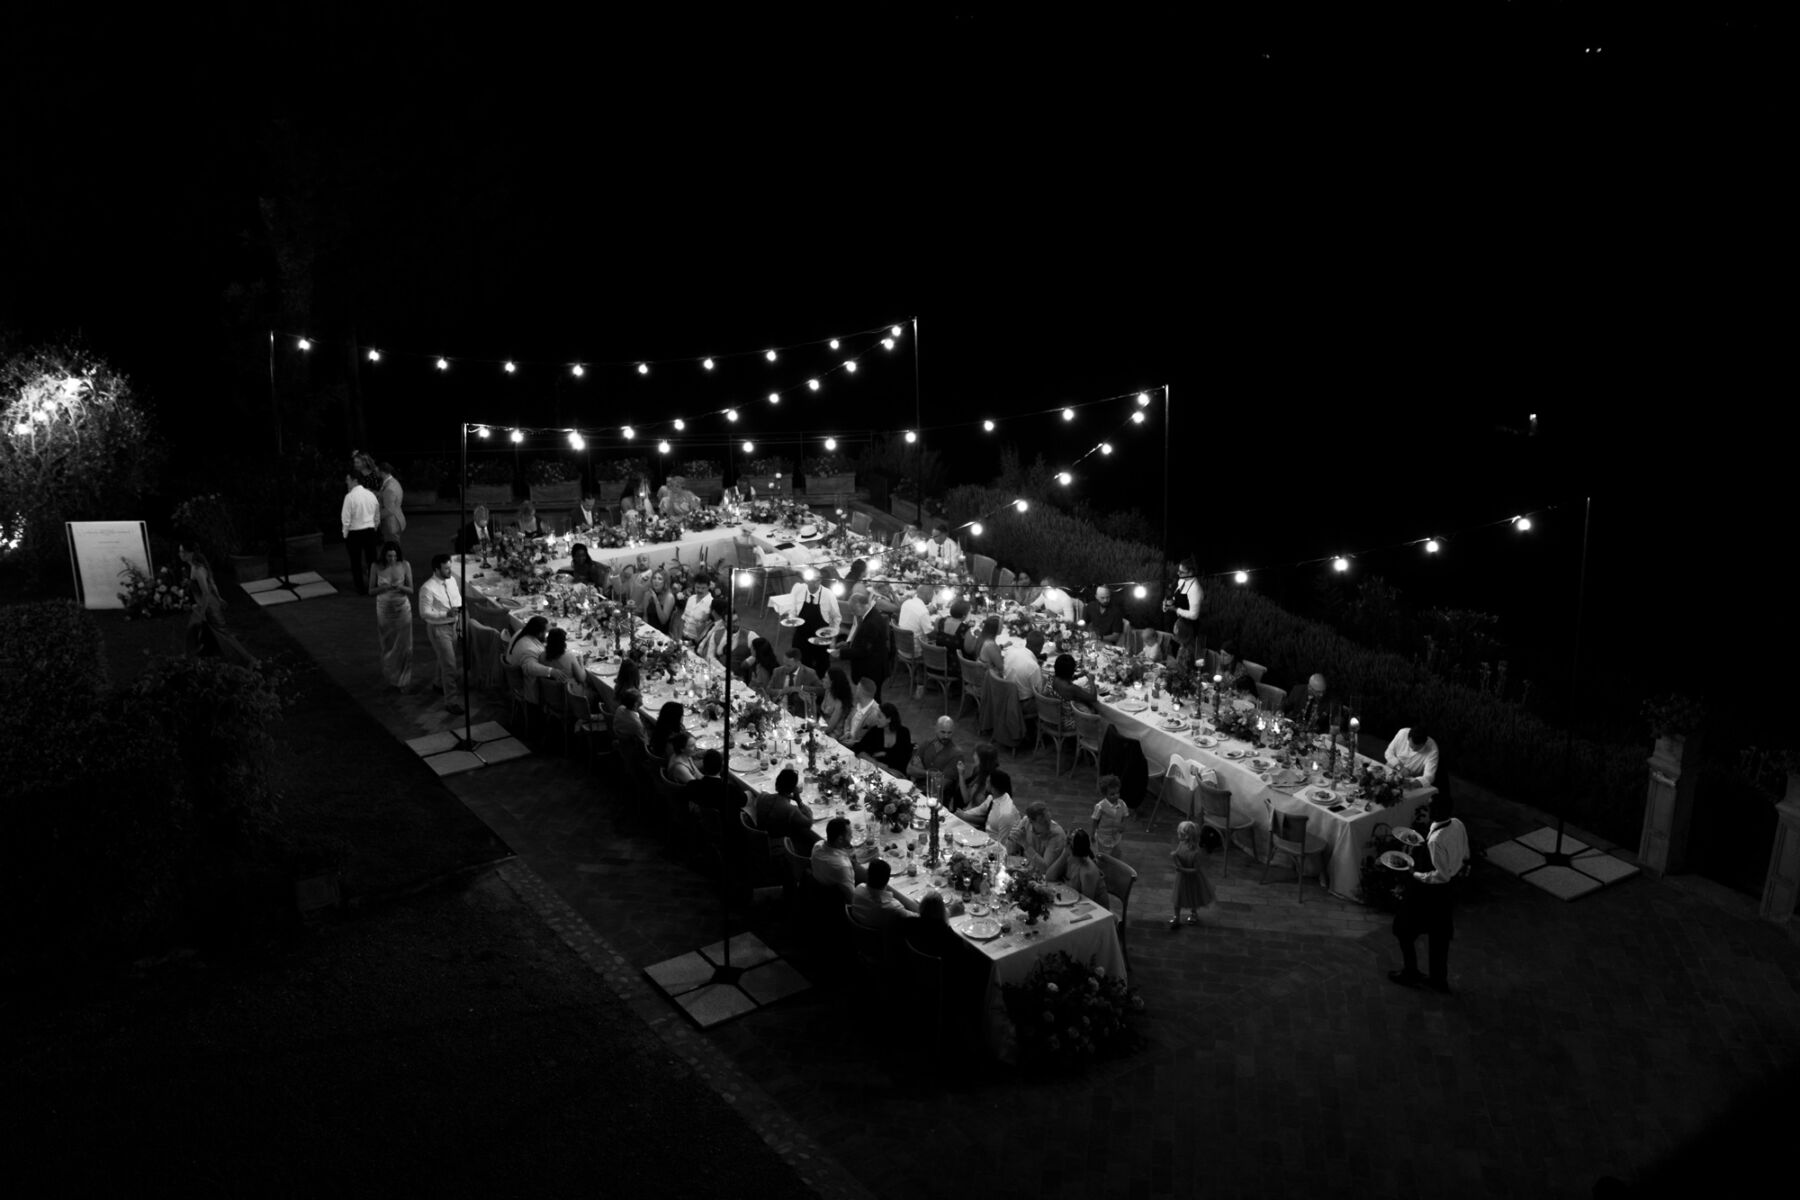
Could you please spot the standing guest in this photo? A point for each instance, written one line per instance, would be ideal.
(782, 814)
(832, 863)
(526, 520)
(1414, 754)
(477, 533)
(1105, 620)
(1109, 816)
(1427, 903)
(669, 720)
(1064, 687)
(941, 551)
(953, 628)
(1076, 864)
(866, 712)
(1185, 604)
(915, 618)
(878, 905)
(987, 650)
(817, 609)
(867, 650)
(440, 605)
(1310, 706)
(1193, 891)
(360, 514)
(941, 756)
(697, 613)
(393, 517)
(887, 741)
(1056, 603)
(586, 515)
(660, 610)
(1038, 837)
(1020, 665)
(838, 703)
(392, 583)
(997, 814)
(878, 596)
(628, 724)
(797, 683)
(207, 635)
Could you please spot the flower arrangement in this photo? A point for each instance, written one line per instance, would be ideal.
(1382, 788)
(966, 873)
(1034, 897)
(701, 468)
(701, 518)
(1239, 725)
(491, 471)
(756, 716)
(772, 465)
(1066, 1012)
(551, 470)
(829, 464)
(890, 805)
(659, 655)
(1673, 716)
(144, 596)
(1183, 684)
(787, 513)
(617, 470)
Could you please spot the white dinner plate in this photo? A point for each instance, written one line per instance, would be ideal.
(1065, 895)
(1235, 754)
(1132, 706)
(1393, 860)
(1408, 837)
(1174, 725)
(791, 622)
(1262, 764)
(1322, 796)
(970, 838)
(977, 909)
(1206, 743)
(986, 929)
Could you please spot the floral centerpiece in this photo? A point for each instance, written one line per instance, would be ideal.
(789, 514)
(659, 655)
(1034, 897)
(147, 596)
(756, 717)
(1183, 684)
(701, 518)
(966, 873)
(1382, 787)
(1240, 725)
(890, 803)
(1067, 1012)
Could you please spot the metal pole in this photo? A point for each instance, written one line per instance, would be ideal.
(1165, 516)
(918, 428)
(1557, 856)
(725, 768)
(280, 468)
(462, 559)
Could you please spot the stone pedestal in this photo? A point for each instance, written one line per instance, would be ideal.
(1781, 886)
(1669, 806)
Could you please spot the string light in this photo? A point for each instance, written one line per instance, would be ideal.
(850, 365)
(578, 370)
(517, 437)
(1139, 592)
(745, 579)
(707, 363)
(662, 447)
(1242, 577)
(374, 356)
(1106, 447)
(1021, 505)
(888, 342)
(895, 331)
(831, 443)
(481, 431)
(731, 414)
(576, 441)
(1522, 524)
(749, 447)
(988, 426)
(1143, 399)
(512, 368)
(813, 384)
(922, 545)
(911, 437)
(1068, 414)
(837, 587)
(443, 364)
(770, 355)
(834, 343)
(643, 368)
(680, 424)
(774, 397)
(809, 574)
(1432, 546)
(305, 343)
(1340, 564)
(975, 529)
(1137, 418)
(875, 565)
(628, 432)
(1064, 478)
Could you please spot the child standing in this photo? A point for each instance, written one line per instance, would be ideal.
(1109, 817)
(1192, 889)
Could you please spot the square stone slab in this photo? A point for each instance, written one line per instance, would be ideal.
(454, 762)
(503, 750)
(274, 596)
(1603, 866)
(307, 591)
(432, 743)
(772, 981)
(715, 1003)
(1510, 856)
(747, 950)
(308, 577)
(488, 731)
(1563, 882)
(1544, 841)
(680, 974)
(260, 585)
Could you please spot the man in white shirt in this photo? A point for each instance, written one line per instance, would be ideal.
(997, 814)
(832, 864)
(868, 708)
(1019, 663)
(878, 905)
(697, 615)
(1414, 754)
(915, 618)
(812, 592)
(1427, 904)
(1038, 837)
(360, 514)
(1055, 602)
(941, 550)
(440, 605)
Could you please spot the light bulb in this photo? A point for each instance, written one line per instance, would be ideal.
(850, 365)
(770, 355)
(578, 370)
(911, 437)
(481, 431)
(888, 342)
(922, 545)
(517, 436)
(575, 440)
(374, 356)
(629, 432)
(774, 397)
(813, 384)
(680, 424)
(875, 566)
(1143, 399)
(1106, 447)
(1242, 577)
(831, 443)
(1137, 418)
(745, 579)
(1021, 505)
(988, 426)
(1523, 524)
(837, 587)
(895, 331)
(1068, 414)
(1431, 546)
(443, 364)
(1140, 591)
(1340, 563)
(643, 368)
(305, 343)
(809, 574)
(512, 368)
(22, 427)
(731, 414)
(707, 363)
(834, 343)
(662, 447)
(975, 529)
(749, 447)
(1064, 478)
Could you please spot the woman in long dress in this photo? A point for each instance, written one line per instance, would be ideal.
(207, 636)
(391, 582)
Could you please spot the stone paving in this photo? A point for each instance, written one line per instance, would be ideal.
(1582, 1040)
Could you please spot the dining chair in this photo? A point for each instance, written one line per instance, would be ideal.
(518, 704)
(1050, 725)
(859, 523)
(936, 660)
(1090, 734)
(553, 696)
(906, 653)
(924, 982)
(677, 819)
(1256, 670)
(874, 946)
(983, 568)
(1288, 835)
(1166, 645)
(1270, 696)
(1003, 580)
(1177, 792)
(974, 688)
(1215, 811)
(755, 859)
(1120, 876)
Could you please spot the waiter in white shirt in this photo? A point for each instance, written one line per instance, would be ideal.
(941, 550)
(1429, 899)
(360, 514)
(440, 604)
(915, 618)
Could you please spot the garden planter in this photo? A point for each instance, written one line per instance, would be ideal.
(556, 494)
(906, 510)
(768, 485)
(1669, 806)
(421, 498)
(494, 495)
(611, 490)
(1781, 886)
(709, 490)
(830, 487)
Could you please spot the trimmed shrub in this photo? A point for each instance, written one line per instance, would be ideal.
(1047, 542)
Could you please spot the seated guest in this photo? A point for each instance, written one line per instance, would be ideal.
(1309, 706)
(832, 863)
(1243, 693)
(526, 520)
(1024, 591)
(796, 683)
(940, 756)
(875, 903)
(987, 650)
(1105, 620)
(972, 783)
(678, 763)
(879, 598)
(838, 702)
(1414, 754)
(712, 791)
(865, 714)
(560, 660)
(941, 550)
(997, 814)
(1037, 837)
(526, 652)
(886, 740)
(668, 722)
(915, 615)
(1055, 602)
(642, 583)
(728, 643)
(763, 666)
(624, 583)
(661, 610)
(1063, 685)
(677, 500)
(477, 534)
(586, 515)
(782, 814)
(1021, 666)
(584, 569)
(631, 675)
(1228, 663)
(1076, 865)
(1152, 651)
(965, 975)
(628, 729)
(951, 630)
(697, 613)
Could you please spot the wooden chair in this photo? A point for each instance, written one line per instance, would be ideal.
(974, 687)
(859, 523)
(1003, 580)
(565, 704)
(758, 856)
(1119, 876)
(1256, 670)
(1166, 645)
(519, 706)
(1215, 811)
(935, 660)
(906, 653)
(1050, 725)
(983, 568)
(1134, 639)
(923, 980)
(677, 812)
(1090, 733)
(1270, 696)
(1288, 835)
(874, 947)
(1177, 791)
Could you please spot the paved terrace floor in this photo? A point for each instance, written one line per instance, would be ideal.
(1582, 1040)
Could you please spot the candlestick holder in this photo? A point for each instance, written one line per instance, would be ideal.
(932, 856)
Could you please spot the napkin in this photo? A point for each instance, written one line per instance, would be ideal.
(1086, 916)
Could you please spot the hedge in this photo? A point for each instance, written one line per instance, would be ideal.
(1045, 541)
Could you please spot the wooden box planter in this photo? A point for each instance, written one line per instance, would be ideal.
(709, 490)
(768, 485)
(567, 492)
(906, 510)
(493, 495)
(830, 487)
(611, 490)
(421, 498)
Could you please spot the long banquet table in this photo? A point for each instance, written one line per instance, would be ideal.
(782, 545)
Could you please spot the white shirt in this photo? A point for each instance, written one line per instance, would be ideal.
(1057, 603)
(945, 553)
(915, 618)
(695, 616)
(439, 599)
(877, 908)
(1189, 605)
(859, 721)
(1422, 763)
(361, 509)
(1001, 813)
(833, 866)
(1449, 846)
(828, 605)
(1022, 669)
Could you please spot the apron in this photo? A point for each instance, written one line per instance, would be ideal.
(811, 621)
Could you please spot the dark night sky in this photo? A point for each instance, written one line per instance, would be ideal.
(1359, 261)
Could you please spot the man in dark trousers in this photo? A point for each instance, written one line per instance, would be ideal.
(870, 640)
(1430, 897)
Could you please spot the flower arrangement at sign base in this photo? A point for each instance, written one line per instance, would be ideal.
(1034, 897)
(966, 873)
(147, 597)
(1066, 1012)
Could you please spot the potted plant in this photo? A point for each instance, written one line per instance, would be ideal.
(490, 481)
(554, 481)
(830, 478)
(772, 476)
(614, 472)
(426, 479)
(704, 479)
(1673, 719)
